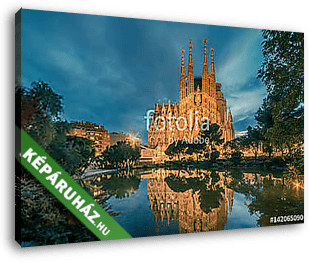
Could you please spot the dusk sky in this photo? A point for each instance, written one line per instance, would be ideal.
(112, 70)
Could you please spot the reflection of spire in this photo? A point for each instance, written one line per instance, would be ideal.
(157, 228)
(186, 208)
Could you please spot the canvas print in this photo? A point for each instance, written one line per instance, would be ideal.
(169, 127)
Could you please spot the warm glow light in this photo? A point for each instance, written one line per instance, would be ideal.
(297, 185)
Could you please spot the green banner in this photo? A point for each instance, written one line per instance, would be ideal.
(68, 192)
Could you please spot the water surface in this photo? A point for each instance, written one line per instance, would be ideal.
(163, 201)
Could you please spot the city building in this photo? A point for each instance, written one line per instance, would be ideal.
(148, 155)
(92, 131)
(201, 102)
(100, 136)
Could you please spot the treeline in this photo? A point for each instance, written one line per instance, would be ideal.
(214, 147)
(205, 146)
(41, 109)
(122, 155)
(281, 117)
(43, 219)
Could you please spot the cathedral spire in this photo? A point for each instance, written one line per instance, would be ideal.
(175, 109)
(182, 85)
(230, 127)
(230, 119)
(212, 67)
(205, 69)
(157, 107)
(213, 86)
(190, 70)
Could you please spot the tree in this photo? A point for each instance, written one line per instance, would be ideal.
(121, 155)
(135, 154)
(213, 137)
(232, 149)
(40, 118)
(282, 72)
(74, 154)
(176, 148)
(44, 218)
(265, 124)
(254, 139)
(40, 109)
(195, 148)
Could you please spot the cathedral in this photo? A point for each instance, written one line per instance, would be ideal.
(201, 102)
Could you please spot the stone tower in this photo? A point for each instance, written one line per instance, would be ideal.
(200, 100)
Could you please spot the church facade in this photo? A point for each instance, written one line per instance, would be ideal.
(201, 102)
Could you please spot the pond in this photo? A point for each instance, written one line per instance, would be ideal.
(165, 201)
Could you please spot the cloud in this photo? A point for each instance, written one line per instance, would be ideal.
(246, 103)
(237, 73)
(112, 70)
(66, 62)
(243, 60)
(92, 28)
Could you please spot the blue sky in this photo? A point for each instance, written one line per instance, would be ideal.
(112, 70)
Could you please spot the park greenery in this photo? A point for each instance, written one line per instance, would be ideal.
(44, 220)
(207, 150)
(120, 156)
(281, 116)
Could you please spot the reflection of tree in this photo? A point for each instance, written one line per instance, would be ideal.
(177, 184)
(241, 185)
(99, 194)
(207, 185)
(44, 220)
(120, 185)
(269, 196)
(210, 199)
(276, 200)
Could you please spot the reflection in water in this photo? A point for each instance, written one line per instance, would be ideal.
(163, 201)
(103, 187)
(198, 201)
